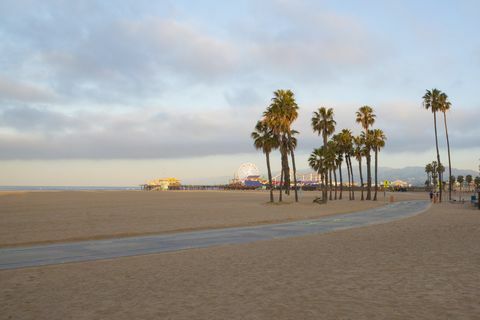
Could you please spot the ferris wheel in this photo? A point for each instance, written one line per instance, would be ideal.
(247, 169)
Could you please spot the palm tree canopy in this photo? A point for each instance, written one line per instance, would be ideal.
(346, 139)
(322, 121)
(317, 159)
(440, 168)
(444, 103)
(428, 168)
(378, 139)
(365, 117)
(360, 149)
(282, 111)
(330, 154)
(263, 137)
(431, 100)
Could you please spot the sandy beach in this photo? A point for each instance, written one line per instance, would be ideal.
(44, 217)
(424, 267)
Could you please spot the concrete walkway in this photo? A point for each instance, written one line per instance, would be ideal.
(21, 257)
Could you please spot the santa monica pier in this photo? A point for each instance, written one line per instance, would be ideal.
(246, 177)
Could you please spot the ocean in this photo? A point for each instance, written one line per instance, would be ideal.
(66, 188)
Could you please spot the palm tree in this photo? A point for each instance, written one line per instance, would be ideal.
(292, 144)
(444, 107)
(452, 180)
(344, 145)
(338, 165)
(431, 100)
(264, 139)
(323, 124)
(441, 170)
(460, 180)
(468, 180)
(477, 182)
(331, 157)
(316, 161)
(359, 153)
(280, 114)
(378, 142)
(435, 174)
(345, 141)
(366, 118)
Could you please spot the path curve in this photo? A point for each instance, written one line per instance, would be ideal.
(20, 257)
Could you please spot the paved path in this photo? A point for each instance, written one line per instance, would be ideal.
(20, 257)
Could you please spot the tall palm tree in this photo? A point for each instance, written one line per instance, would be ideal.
(330, 159)
(378, 142)
(431, 100)
(324, 124)
(346, 138)
(366, 118)
(264, 139)
(316, 161)
(435, 174)
(477, 182)
(292, 144)
(468, 180)
(280, 114)
(460, 181)
(338, 165)
(359, 153)
(445, 105)
(441, 170)
(343, 141)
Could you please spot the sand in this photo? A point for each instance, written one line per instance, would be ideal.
(30, 218)
(423, 267)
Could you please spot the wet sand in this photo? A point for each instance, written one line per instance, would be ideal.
(30, 218)
(424, 267)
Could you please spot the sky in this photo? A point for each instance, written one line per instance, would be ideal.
(119, 92)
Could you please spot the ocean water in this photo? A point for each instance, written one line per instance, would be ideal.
(66, 188)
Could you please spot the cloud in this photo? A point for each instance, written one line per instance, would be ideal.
(14, 91)
(46, 134)
(243, 97)
(126, 55)
(311, 42)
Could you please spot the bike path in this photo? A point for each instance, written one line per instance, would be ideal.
(20, 257)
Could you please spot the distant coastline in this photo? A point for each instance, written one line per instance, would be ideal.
(67, 188)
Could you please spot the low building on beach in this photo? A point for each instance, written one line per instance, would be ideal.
(162, 184)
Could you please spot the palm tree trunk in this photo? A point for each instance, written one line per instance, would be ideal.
(376, 172)
(438, 153)
(361, 178)
(341, 180)
(270, 186)
(324, 182)
(281, 186)
(449, 162)
(326, 174)
(369, 176)
(353, 179)
(335, 178)
(294, 175)
(286, 168)
(348, 175)
(330, 179)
